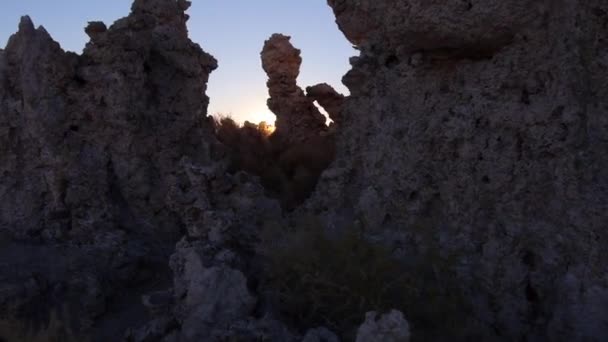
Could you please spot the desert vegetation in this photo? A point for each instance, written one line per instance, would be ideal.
(289, 172)
(316, 278)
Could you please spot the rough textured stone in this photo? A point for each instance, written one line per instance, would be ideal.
(410, 26)
(298, 119)
(98, 136)
(479, 128)
(391, 327)
(90, 146)
(476, 130)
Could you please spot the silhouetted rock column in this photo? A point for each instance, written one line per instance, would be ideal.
(298, 119)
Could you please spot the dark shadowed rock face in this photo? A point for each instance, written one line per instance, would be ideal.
(410, 26)
(476, 133)
(92, 155)
(94, 139)
(480, 126)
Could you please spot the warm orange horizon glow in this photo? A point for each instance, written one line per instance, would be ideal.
(262, 116)
(266, 128)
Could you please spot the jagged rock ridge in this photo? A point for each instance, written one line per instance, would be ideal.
(94, 151)
(90, 132)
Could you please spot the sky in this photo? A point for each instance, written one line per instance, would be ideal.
(233, 31)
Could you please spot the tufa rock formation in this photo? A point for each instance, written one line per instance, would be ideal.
(477, 130)
(96, 138)
(302, 146)
(106, 161)
(473, 147)
(298, 119)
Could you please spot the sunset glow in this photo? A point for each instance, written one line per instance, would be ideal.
(257, 117)
(266, 128)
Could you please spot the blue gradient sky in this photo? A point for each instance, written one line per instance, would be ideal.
(232, 30)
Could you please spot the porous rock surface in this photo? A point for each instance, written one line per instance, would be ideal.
(479, 128)
(105, 161)
(95, 138)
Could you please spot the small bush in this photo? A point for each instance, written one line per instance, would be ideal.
(316, 280)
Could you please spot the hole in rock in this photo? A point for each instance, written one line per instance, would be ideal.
(328, 120)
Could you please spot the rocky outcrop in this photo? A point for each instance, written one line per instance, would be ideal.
(478, 129)
(35, 74)
(95, 138)
(297, 117)
(93, 149)
(463, 27)
(302, 144)
(107, 161)
(329, 99)
(473, 144)
(213, 265)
